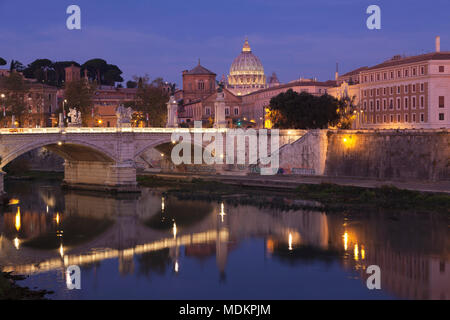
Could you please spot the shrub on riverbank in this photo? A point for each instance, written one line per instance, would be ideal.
(385, 197)
(9, 290)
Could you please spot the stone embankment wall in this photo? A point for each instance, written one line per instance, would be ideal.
(389, 154)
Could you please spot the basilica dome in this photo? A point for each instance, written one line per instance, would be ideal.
(246, 72)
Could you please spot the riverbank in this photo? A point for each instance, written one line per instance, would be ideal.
(324, 196)
(10, 290)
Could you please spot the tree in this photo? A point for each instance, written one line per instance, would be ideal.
(151, 100)
(15, 92)
(102, 72)
(131, 84)
(79, 95)
(2, 62)
(16, 66)
(42, 70)
(290, 110)
(346, 112)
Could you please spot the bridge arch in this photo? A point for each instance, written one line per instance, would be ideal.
(69, 149)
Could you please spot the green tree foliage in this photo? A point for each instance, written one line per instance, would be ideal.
(2, 62)
(131, 84)
(151, 100)
(48, 72)
(15, 91)
(347, 112)
(79, 95)
(16, 66)
(41, 69)
(102, 72)
(291, 110)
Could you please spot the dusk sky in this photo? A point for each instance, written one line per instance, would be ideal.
(293, 38)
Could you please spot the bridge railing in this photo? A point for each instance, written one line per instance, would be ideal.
(54, 130)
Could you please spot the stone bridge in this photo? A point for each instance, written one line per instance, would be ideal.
(99, 158)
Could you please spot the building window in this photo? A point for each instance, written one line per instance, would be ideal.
(399, 104)
(207, 111)
(391, 104)
(441, 101)
(201, 85)
(392, 74)
(413, 88)
(392, 90)
(384, 91)
(378, 92)
(399, 118)
(398, 89)
(406, 89)
(377, 120)
(364, 105)
(413, 106)
(406, 103)
(378, 105)
(422, 87)
(422, 117)
(406, 118)
(227, 111)
(384, 104)
(441, 116)
(441, 68)
(422, 102)
(385, 76)
(392, 118)
(414, 71)
(384, 118)
(371, 105)
(406, 73)
(236, 111)
(422, 70)
(414, 117)
(399, 74)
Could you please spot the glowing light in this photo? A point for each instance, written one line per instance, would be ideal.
(59, 143)
(46, 209)
(13, 202)
(100, 121)
(363, 253)
(17, 222)
(61, 251)
(17, 243)
(345, 140)
(176, 268)
(162, 154)
(270, 245)
(290, 241)
(162, 204)
(345, 236)
(222, 211)
(174, 230)
(173, 142)
(356, 252)
(57, 218)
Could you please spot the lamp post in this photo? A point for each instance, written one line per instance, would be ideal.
(2, 96)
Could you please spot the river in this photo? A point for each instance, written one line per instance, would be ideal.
(155, 246)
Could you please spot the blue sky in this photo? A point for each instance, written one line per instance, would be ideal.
(293, 38)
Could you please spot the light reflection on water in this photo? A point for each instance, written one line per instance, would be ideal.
(150, 246)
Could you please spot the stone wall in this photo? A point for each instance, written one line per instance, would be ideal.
(306, 156)
(389, 154)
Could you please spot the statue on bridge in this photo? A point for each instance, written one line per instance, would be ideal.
(124, 116)
(75, 117)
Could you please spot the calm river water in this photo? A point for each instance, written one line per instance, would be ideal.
(155, 247)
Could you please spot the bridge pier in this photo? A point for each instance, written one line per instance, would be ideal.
(106, 176)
